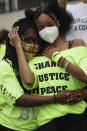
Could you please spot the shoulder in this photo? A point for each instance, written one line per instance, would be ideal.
(4, 64)
(78, 42)
(5, 68)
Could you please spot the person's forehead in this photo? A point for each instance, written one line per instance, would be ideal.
(30, 33)
(45, 18)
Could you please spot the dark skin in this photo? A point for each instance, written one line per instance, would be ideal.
(27, 99)
(63, 4)
(59, 45)
(64, 97)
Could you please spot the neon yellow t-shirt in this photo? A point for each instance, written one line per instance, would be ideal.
(77, 54)
(2, 51)
(51, 79)
(16, 118)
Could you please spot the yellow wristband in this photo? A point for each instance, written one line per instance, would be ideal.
(54, 54)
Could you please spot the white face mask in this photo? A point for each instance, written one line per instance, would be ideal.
(49, 34)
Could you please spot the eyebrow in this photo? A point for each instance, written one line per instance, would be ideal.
(30, 38)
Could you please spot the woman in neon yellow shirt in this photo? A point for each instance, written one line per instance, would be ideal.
(18, 109)
(51, 78)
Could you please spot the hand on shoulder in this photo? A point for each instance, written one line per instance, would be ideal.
(78, 42)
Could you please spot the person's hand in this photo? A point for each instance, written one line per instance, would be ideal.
(71, 96)
(49, 51)
(65, 95)
(77, 96)
(14, 37)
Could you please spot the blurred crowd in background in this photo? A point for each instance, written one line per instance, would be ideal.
(12, 10)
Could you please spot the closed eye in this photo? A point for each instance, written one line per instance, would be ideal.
(51, 25)
(40, 27)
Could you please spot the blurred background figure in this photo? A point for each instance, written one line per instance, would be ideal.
(79, 27)
(79, 12)
(3, 35)
(12, 10)
(3, 38)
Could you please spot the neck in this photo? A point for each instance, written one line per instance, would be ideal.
(84, 1)
(59, 41)
(61, 44)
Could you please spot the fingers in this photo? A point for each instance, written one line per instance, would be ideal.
(73, 100)
(14, 37)
(69, 97)
(13, 32)
(69, 93)
(43, 54)
(46, 53)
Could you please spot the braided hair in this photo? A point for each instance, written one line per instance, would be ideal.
(10, 54)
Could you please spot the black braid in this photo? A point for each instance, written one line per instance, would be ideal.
(10, 54)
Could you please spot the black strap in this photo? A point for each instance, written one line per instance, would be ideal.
(70, 44)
